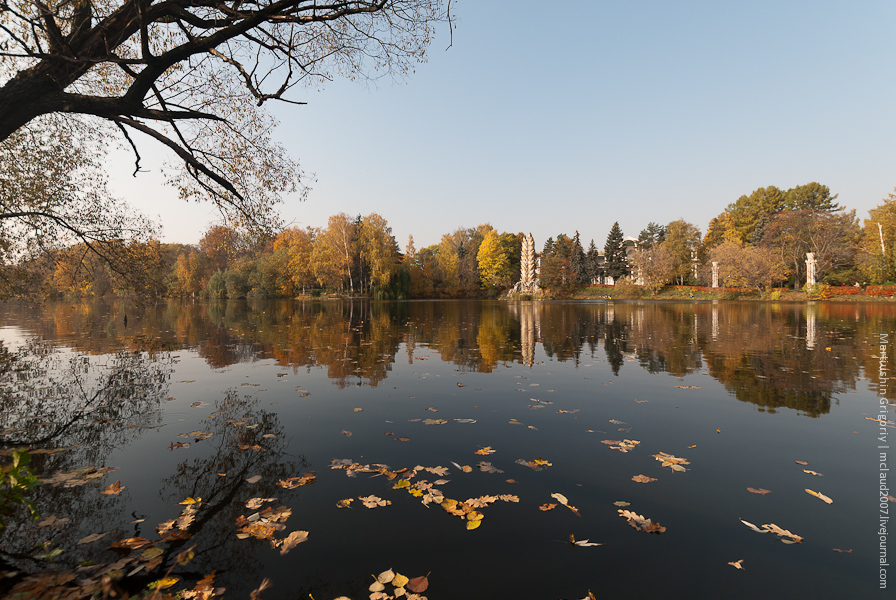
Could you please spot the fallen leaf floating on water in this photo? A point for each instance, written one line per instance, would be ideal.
(640, 523)
(481, 501)
(176, 445)
(643, 479)
(688, 387)
(812, 472)
(76, 477)
(562, 500)
(130, 544)
(113, 489)
(199, 435)
(622, 446)
(508, 498)
(385, 577)
(547, 507)
(459, 384)
(538, 464)
(465, 468)
(819, 495)
(772, 528)
(292, 540)
(621, 503)
(346, 433)
(294, 482)
(673, 462)
(485, 451)
(581, 543)
(254, 503)
(431, 409)
(167, 582)
(151, 554)
(801, 462)
(759, 491)
(373, 501)
(53, 521)
(434, 421)
(357, 410)
(843, 551)
(89, 539)
(190, 500)
(738, 564)
(253, 479)
(418, 584)
(488, 467)
(694, 446)
(345, 503)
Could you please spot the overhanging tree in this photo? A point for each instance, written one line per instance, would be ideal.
(193, 75)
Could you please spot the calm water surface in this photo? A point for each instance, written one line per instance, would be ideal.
(741, 391)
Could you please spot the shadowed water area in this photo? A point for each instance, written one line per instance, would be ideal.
(194, 400)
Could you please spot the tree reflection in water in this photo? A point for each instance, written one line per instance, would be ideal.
(71, 411)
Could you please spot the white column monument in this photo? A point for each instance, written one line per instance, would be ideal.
(811, 266)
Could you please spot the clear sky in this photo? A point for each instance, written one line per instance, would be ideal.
(551, 117)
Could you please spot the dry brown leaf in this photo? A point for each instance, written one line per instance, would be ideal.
(346, 433)
(640, 523)
(801, 462)
(292, 540)
(643, 479)
(820, 496)
(485, 451)
(88, 539)
(673, 462)
(737, 564)
(812, 472)
(562, 500)
(254, 503)
(53, 521)
(294, 482)
(130, 544)
(509, 498)
(761, 491)
(373, 501)
(621, 445)
(418, 584)
(488, 467)
(843, 551)
(547, 507)
(113, 489)
(254, 479)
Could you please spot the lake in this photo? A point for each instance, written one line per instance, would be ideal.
(725, 414)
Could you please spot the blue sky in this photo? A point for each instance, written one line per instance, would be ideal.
(570, 115)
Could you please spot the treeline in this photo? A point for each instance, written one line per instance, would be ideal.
(758, 241)
(355, 256)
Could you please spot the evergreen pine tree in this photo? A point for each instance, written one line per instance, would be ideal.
(615, 261)
(592, 263)
(578, 260)
(548, 247)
